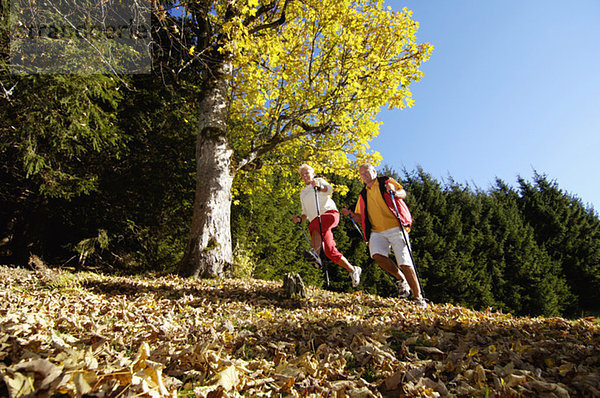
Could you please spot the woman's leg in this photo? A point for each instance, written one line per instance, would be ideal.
(315, 238)
(329, 220)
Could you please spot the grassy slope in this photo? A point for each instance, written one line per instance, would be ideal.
(85, 333)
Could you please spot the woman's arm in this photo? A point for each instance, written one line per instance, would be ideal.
(323, 186)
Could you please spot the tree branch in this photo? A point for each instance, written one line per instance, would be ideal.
(273, 24)
(278, 139)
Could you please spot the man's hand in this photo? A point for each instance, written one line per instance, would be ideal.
(399, 194)
(345, 211)
(296, 219)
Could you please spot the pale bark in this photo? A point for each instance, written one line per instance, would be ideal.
(209, 250)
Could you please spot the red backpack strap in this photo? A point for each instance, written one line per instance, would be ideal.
(404, 216)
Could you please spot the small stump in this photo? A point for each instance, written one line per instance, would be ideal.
(293, 286)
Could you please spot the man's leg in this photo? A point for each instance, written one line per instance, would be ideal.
(403, 258)
(379, 247)
(387, 265)
(411, 278)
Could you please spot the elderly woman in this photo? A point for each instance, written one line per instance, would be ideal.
(330, 217)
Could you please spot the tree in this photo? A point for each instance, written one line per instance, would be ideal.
(273, 82)
(282, 81)
(58, 115)
(54, 131)
(571, 235)
(477, 249)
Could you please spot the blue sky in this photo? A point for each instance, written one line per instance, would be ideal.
(511, 87)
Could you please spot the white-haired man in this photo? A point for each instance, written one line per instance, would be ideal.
(375, 211)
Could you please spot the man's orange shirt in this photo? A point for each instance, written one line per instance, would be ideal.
(380, 216)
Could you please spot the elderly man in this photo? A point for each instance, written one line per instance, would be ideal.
(376, 212)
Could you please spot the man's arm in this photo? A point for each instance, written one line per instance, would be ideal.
(347, 212)
(396, 188)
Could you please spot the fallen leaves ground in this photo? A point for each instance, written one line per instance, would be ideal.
(92, 335)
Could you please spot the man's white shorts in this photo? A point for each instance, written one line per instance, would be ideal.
(381, 242)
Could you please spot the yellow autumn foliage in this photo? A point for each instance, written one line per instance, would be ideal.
(315, 84)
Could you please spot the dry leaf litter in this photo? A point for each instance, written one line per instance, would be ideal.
(93, 335)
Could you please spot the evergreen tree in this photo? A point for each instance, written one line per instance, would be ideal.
(99, 169)
(474, 248)
(56, 130)
(530, 283)
(570, 233)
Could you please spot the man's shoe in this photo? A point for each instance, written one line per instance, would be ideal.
(356, 276)
(403, 288)
(421, 303)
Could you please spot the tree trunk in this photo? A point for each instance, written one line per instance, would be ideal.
(209, 250)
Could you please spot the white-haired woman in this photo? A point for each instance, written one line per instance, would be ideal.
(330, 218)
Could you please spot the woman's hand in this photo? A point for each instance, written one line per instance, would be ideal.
(297, 219)
(317, 185)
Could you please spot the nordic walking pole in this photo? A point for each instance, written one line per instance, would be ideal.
(321, 231)
(314, 256)
(406, 242)
(356, 226)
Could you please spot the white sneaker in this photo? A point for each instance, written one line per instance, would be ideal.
(403, 288)
(421, 303)
(356, 276)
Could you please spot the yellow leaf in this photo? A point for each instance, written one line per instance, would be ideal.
(265, 314)
(18, 384)
(228, 378)
(140, 361)
(480, 377)
(566, 367)
(154, 373)
(81, 384)
(515, 380)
